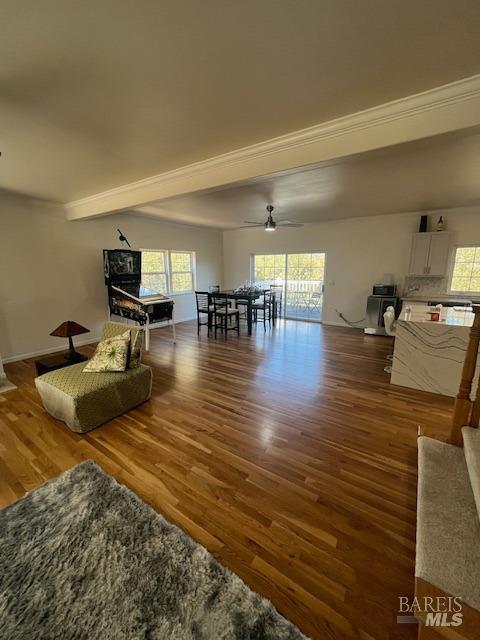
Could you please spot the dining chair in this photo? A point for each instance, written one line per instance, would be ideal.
(223, 315)
(265, 306)
(204, 307)
(277, 293)
(242, 307)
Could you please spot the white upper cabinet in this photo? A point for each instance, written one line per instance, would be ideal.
(419, 256)
(429, 254)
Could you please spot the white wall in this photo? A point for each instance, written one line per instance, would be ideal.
(51, 270)
(359, 251)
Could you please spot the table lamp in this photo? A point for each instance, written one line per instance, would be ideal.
(69, 329)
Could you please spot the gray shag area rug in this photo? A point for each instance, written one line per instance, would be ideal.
(81, 557)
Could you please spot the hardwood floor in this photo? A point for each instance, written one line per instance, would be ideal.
(287, 454)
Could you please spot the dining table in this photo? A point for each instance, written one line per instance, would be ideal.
(248, 297)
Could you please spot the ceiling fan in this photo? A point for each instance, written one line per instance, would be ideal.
(270, 224)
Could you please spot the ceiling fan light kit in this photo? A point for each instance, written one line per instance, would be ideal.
(270, 224)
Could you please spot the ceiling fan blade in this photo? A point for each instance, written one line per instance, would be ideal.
(289, 224)
(251, 225)
(252, 222)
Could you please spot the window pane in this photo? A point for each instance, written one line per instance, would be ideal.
(182, 282)
(316, 273)
(474, 284)
(318, 261)
(462, 270)
(153, 270)
(269, 269)
(155, 281)
(466, 270)
(476, 270)
(181, 261)
(459, 284)
(293, 273)
(153, 261)
(465, 254)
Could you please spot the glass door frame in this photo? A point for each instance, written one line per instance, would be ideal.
(285, 279)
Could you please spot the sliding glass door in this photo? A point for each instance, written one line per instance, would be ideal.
(304, 290)
(301, 275)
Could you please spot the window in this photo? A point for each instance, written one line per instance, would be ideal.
(181, 269)
(154, 270)
(168, 271)
(466, 270)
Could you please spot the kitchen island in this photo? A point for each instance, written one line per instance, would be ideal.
(429, 355)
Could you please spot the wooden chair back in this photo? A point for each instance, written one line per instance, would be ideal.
(203, 300)
(467, 412)
(220, 301)
(277, 290)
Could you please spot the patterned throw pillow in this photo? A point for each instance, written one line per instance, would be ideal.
(135, 349)
(114, 329)
(110, 354)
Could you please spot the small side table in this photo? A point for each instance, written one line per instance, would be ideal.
(58, 361)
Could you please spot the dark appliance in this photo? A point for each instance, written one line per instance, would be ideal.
(385, 290)
(376, 307)
(128, 297)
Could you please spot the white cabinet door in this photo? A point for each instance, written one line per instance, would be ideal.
(438, 256)
(419, 257)
(429, 254)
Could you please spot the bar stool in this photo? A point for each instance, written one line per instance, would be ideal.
(391, 329)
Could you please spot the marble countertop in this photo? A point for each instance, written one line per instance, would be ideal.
(449, 315)
(439, 298)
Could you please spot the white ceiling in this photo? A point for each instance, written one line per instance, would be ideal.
(433, 173)
(94, 94)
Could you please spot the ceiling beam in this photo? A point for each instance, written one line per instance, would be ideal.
(439, 110)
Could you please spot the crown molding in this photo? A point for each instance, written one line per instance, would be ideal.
(439, 110)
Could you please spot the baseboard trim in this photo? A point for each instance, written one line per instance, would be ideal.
(334, 323)
(44, 352)
(79, 343)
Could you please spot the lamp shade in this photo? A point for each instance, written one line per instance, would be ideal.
(68, 329)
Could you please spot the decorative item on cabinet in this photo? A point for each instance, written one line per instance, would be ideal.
(423, 224)
(440, 224)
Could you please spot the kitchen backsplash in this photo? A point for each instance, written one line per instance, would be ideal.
(426, 286)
